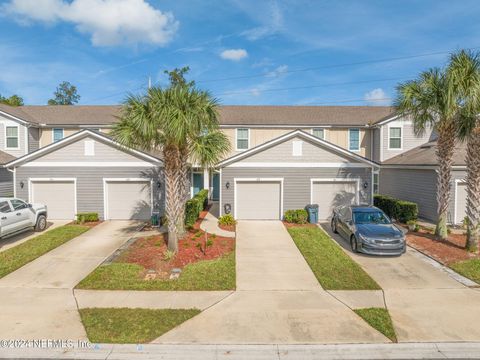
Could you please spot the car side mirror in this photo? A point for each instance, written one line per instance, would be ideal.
(350, 222)
(29, 205)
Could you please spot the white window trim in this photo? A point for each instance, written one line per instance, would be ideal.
(341, 180)
(237, 180)
(375, 172)
(359, 140)
(18, 137)
(236, 139)
(397, 126)
(110, 180)
(455, 210)
(31, 197)
(319, 128)
(53, 134)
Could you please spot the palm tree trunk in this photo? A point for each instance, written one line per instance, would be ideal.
(445, 149)
(473, 190)
(184, 186)
(172, 194)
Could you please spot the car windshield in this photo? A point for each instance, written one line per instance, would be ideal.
(370, 217)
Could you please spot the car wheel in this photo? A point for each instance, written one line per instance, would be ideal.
(334, 226)
(353, 244)
(41, 223)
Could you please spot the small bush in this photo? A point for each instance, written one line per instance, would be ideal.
(168, 255)
(299, 216)
(209, 242)
(87, 217)
(194, 206)
(226, 220)
(400, 210)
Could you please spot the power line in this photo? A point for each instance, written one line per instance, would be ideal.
(349, 101)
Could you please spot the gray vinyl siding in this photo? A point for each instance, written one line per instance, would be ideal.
(296, 182)
(283, 152)
(6, 183)
(414, 185)
(76, 152)
(90, 183)
(376, 145)
(410, 140)
(33, 139)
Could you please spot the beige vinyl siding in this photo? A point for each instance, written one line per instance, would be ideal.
(283, 152)
(339, 136)
(46, 134)
(33, 139)
(296, 182)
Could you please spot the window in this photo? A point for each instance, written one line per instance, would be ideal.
(395, 138)
(375, 183)
(12, 137)
(354, 139)
(4, 207)
(18, 204)
(319, 133)
(297, 148)
(242, 139)
(89, 148)
(57, 134)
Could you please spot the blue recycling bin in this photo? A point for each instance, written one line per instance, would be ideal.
(312, 210)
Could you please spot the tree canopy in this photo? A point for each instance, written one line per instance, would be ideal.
(13, 100)
(65, 94)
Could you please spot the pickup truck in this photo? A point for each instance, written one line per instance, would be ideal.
(16, 216)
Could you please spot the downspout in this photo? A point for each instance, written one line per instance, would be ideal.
(14, 180)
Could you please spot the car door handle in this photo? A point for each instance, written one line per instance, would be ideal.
(18, 214)
(4, 218)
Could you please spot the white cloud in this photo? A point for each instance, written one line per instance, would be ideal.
(234, 54)
(272, 20)
(108, 22)
(282, 69)
(377, 97)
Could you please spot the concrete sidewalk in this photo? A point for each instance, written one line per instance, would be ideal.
(278, 300)
(264, 352)
(210, 223)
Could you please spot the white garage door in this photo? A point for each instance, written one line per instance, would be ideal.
(128, 200)
(58, 195)
(461, 202)
(258, 200)
(331, 194)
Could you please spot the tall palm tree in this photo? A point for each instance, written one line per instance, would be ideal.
(178, 121)
(466, 67)
(431, 102)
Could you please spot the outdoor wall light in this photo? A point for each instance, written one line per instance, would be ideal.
(159, 184)
(365, 185)
(227, 185)
(227, 208)
(22, 184)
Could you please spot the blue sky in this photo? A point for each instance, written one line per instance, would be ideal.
(242, 51)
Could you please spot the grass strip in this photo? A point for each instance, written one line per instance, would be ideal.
(379, 319)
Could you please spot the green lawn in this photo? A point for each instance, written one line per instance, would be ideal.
(379, 319)
(334, 269)
(16, 257)
(468, 268)
(131, 326)
(218, 274)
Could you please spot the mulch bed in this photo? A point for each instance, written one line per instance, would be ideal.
(446, 252)
(90, 224)
(231, 228)
(150, 251)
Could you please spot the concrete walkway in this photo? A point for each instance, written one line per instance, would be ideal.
(210, 223)
(37, 300)
(278, 300)
(426, 303)
(15, 240)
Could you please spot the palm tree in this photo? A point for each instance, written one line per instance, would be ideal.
(181, 122)
(466, 67)
(431, 101)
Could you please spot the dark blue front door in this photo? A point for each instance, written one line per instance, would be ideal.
(197, 183)
(216, 187)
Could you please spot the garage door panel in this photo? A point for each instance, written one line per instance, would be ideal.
(58, 196)
(461, 202)
(258, 200)
(128, 200)
(331, 194)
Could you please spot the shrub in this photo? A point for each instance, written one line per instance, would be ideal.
(194, 206)
(299, 216)
(226, 220)
(168, 255)
(400, 210)
(87, 217)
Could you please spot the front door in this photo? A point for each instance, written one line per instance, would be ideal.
(197, 183)
(216, 187)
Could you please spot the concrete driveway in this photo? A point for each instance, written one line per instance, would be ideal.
(425, 303)
(37, 299)
(278, 299)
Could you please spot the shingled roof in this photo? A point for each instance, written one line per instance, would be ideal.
(229, 115)
(425, 155)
